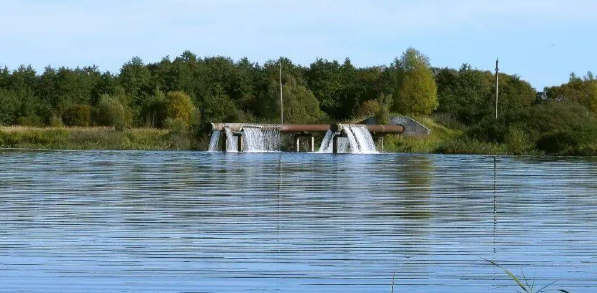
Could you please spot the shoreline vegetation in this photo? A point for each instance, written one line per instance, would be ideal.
(95, 138)
(166, 105)
(442, 140)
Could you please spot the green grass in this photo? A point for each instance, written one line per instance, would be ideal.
(442, 140)
(96, 138)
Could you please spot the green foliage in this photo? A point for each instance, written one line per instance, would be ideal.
(77, 115)
(55, 121)
(469, 95)
(300, 105)
(8, 107)
(179, 107)
(415, 91)
(217, 106)
(383, 114)
(30, 120)
(560, 128)
(332, 84)
(135, 79)
(581, 91)
(109, 111)
(518, 141)
(153, 112)
(368, 108)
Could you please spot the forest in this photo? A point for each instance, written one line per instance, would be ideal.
(187, 92)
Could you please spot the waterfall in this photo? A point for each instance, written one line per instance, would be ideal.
(326, 143)
(231, 142)
(328, 140)
(256, 139)
(361, 141)
(259, 139)
(214, 141)
(358, 140)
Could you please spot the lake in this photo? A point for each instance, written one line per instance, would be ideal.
(135, 221)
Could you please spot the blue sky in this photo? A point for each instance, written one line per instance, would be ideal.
(543, 41)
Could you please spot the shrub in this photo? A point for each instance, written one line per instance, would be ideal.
(518, 141)
(30, 120)
(110, 112)
(56, 121)
(77, 115)
(153, 111)
(179, 107)
(368, 108)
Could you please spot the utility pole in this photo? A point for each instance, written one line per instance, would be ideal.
(281, 99)
(497, 78)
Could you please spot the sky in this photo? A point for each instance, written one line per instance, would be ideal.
(542, 41)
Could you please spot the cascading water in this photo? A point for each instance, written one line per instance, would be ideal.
(231, 142)
(214, 141)
(259, 139)
(256, 139)
(328, 140)
(358, 140)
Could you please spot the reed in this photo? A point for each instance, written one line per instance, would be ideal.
(100, 138)
(524, 283)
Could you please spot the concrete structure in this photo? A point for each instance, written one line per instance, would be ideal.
(411, 126)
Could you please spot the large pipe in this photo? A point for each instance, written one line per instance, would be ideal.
(304, 127)
(282, 127)
(375, 129)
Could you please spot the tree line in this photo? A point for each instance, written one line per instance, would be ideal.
(191, 91)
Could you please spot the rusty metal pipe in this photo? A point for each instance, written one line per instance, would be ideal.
(283, 127)
(375, 129)
(304, 127)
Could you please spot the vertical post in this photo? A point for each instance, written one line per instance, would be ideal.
(297, 143)
(382, 144)
(497, 78)
(281, 98)
(223, 138)
(335, 144)
(312, 143)
(240, 143)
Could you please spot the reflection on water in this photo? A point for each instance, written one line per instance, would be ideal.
(213, 222)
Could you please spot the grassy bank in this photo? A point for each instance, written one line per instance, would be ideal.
(446, 140)
(102, 138)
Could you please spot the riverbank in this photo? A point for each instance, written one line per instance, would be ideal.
(96, 138)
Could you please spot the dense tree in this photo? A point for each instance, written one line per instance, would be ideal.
(414, 84)
(77, 115)
(217, 106)
(153, 112)
(578, 90)
(135, 79)
(469, 94)
(9, 105)
(300, 105)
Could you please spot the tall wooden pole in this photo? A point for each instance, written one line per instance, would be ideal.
(281, 99)
(497, 78)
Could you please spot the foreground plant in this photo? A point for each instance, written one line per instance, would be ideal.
(525, 286)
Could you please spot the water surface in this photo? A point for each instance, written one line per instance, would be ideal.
(91, 221)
